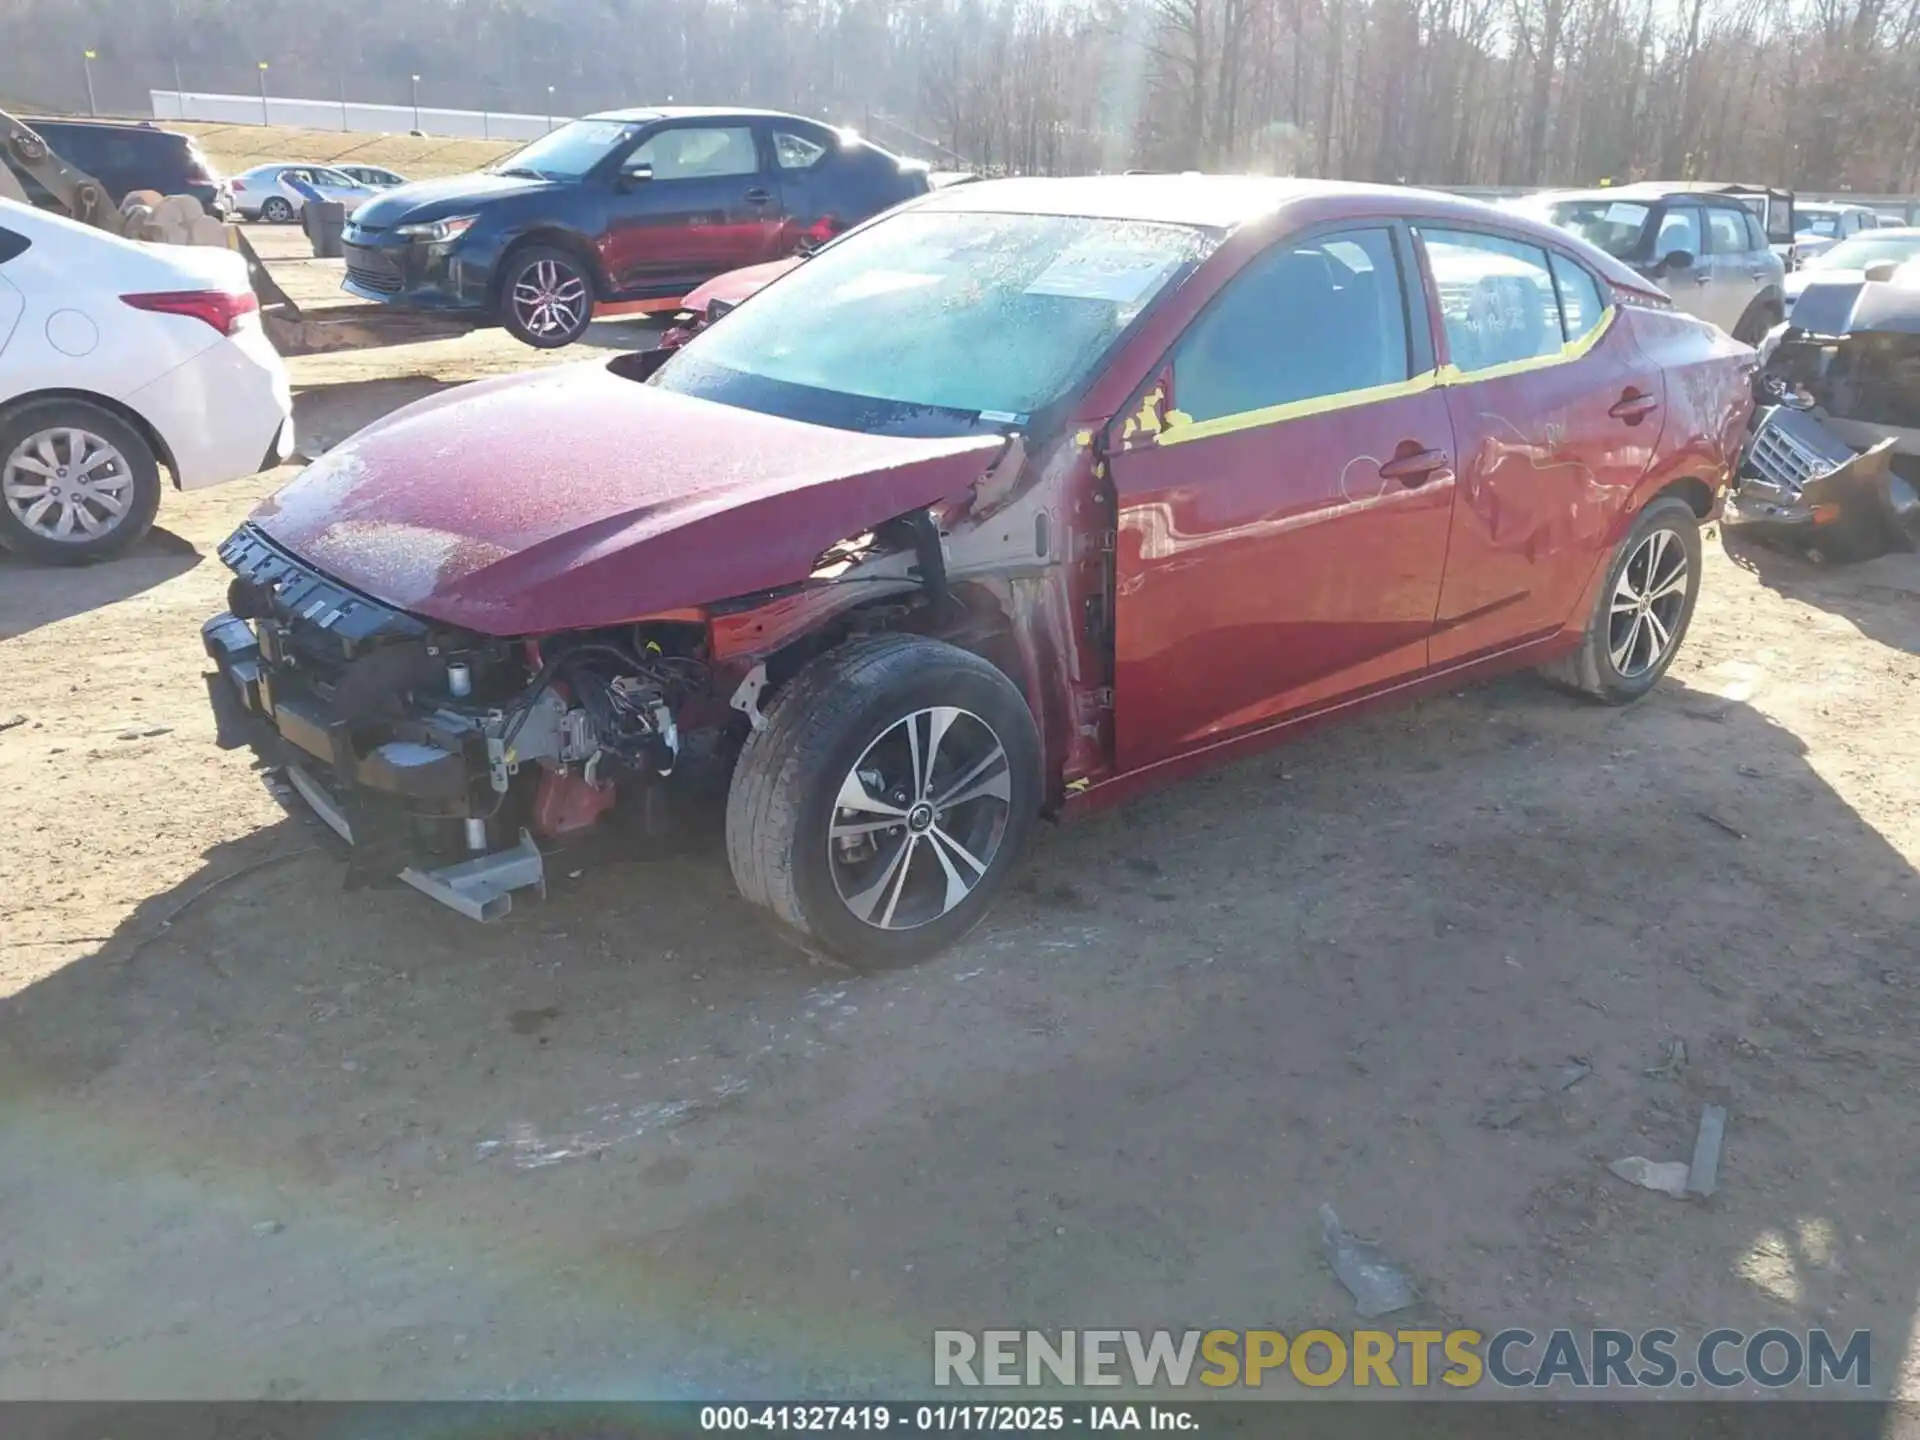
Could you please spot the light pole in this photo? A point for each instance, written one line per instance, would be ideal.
(416, 102)
(549, 109)
(86, 63)
(263, 94)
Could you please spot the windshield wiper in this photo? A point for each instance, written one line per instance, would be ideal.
(522, 172)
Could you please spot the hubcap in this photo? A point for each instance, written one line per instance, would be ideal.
(67, 485)
(919, 818)
(1647, 601)
(550, 299)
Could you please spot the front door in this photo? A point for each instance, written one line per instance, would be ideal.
(1556, 414)
(691, 201)
(1283, 499)
(1690, 285)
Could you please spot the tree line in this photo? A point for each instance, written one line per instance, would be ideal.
(1817, 94)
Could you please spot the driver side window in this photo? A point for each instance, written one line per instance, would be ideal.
(1250, 349)
(698, 152)
(1679, 230)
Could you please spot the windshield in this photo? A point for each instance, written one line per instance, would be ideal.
(567, 153)
(1613, 225)
(938, 321)
(1819, 222)
(1864, 250)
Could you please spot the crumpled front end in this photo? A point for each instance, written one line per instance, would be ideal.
(1832, 466)
(438, 755)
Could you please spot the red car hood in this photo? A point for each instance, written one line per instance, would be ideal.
(572, 497)
(737, 285)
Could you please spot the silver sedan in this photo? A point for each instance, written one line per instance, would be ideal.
(275, 192)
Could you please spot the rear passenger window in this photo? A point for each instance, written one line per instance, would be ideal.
(1581, 303)
(1725, 230)
(1497, 298)
(796, 152)
(1308, 319)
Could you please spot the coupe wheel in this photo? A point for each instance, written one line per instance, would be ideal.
(546, 298)
(1643, 610)
(276, 211)
(77, 482)
(892, 790)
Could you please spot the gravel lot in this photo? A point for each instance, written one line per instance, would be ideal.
(260, 1138)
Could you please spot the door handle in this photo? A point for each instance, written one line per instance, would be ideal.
(757, 196)
(1416, 469)
(1701, 279)
(1633, 406)
(1756, 274)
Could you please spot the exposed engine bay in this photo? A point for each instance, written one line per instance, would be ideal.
(1832, 468)
(426, 748)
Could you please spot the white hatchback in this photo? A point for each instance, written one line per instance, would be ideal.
(118, 358)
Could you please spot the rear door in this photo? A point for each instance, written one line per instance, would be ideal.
(1555, 414)
(1737, 272)
(1283, 488)
(710, 204)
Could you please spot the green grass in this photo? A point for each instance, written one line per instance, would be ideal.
(234, 148)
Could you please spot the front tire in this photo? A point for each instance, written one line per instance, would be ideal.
(546, 297)
(1643, 609)
(893, 789)
(77, 482)
(276, 211)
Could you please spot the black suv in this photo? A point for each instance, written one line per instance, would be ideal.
(132, 155)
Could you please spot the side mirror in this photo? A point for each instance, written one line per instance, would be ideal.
(1677, 260)
(636, 174)
(1882, 269)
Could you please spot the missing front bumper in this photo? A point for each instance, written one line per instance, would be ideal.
(293, 737)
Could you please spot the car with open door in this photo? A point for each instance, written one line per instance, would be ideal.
(1707, 246)
(1015, 502)
(630, 209)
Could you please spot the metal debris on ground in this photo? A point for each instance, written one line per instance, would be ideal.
(1669, 1177)
(1704, 1173)
(1376, 1286)
(1726, 825)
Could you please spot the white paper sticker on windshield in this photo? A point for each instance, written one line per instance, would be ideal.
(1107, 272)
(1620, 213)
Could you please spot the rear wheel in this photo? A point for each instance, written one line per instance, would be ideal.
(892, 790)
(1643, 608)
(276, 211)
(546, 297)
(77, 482)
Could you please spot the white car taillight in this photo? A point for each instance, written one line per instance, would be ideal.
(225, 310)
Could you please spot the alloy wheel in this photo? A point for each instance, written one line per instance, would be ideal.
(550, 299)
(919, 818)
(67, 485)
(1647, 601)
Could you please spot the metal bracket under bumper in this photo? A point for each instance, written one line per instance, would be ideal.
(481, 888)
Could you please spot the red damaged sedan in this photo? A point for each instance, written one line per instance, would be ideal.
(1013, 502)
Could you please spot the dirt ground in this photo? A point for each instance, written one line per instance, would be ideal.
(262, 1138)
